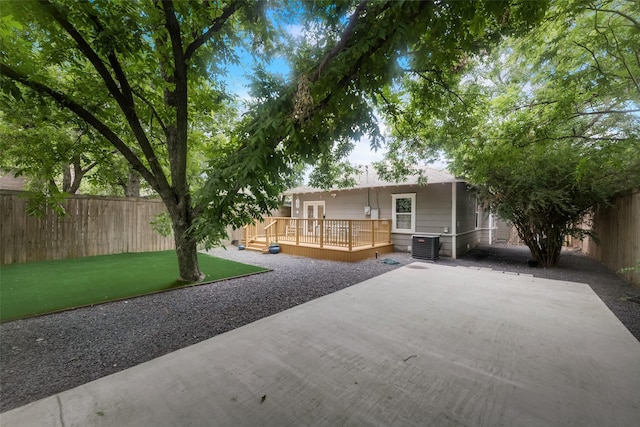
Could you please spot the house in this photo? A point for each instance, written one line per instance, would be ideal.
(8, 181)
(445, 207)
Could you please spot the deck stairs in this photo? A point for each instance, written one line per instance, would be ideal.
(257, 246)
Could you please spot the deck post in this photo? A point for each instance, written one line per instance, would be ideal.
(350, 234)
(321, 224)
(297, 234)
(373, 233)
(388, 232)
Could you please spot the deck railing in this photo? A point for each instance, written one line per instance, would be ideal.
(342, 233)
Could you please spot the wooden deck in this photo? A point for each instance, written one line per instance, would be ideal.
(331, 239)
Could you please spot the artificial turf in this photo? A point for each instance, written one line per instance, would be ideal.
(43, 287)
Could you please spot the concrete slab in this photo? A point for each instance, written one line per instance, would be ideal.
(422, 345)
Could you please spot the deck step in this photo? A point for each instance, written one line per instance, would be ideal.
(256, 246)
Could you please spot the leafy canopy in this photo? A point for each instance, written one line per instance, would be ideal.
(545, 127)
(148, 77)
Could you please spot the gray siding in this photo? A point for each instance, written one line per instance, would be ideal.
(465, 208)
(483, 220)
(346, 204)
(503, 232)
(467, 241)
(433, 204)
(489, 230)
(433, 211)
(486, 235)
(466, 205)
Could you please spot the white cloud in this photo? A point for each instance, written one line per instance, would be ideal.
(294, 30)
(362, 154)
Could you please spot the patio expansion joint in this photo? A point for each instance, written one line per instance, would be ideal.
(60, 411)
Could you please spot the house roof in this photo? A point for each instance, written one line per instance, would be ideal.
(369, 179)
(8, 181)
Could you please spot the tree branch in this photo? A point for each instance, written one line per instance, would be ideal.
(592, 138)
(342, 43)
(349, 76)
(617, 12)
(85, 115)
(173, 28)
(623, 59)
(393, 111)
(352, 72)
(86, 49)
(212, 30)
(115, 64)
(444, 86)
(602, 112)
(154, 112)
(534, 104)
(79, 173)
(178, 99)
(598, 67)
(112, 87)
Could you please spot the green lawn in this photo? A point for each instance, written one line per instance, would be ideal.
(42, 287)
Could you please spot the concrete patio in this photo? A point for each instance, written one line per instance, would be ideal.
(422, 345)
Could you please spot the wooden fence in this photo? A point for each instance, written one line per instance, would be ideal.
(618, 229)
(92, 225)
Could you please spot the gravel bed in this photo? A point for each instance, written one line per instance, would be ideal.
(44, 355)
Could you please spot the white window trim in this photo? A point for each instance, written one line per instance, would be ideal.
(411, 196)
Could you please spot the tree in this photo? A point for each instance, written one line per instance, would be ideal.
(146, 58)
(547, 126)
(57, 153)
(147, 76)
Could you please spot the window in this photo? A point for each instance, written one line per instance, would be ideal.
(404, 212)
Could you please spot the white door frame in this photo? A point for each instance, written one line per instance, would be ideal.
(305, 213)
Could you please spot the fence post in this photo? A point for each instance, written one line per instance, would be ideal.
(350, 233)
(321, 224)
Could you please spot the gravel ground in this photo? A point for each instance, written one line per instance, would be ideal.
(45, 355)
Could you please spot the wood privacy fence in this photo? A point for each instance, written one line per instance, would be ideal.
(93, 225)
(618, 229)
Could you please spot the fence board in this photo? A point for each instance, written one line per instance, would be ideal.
(618, 228)
(92, 225)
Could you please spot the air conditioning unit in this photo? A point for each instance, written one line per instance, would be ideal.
(425, 247)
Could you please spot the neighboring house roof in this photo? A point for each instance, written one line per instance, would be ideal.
(369, 179)
(9, 181)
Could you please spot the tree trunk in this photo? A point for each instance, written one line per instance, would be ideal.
(132, 185)
(186, 250)
(514, 237)
(186, 244)
(66, 179)
(545, 244)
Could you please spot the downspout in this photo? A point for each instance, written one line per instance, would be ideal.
(490, 228)
(368, 188)
(454, 222)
